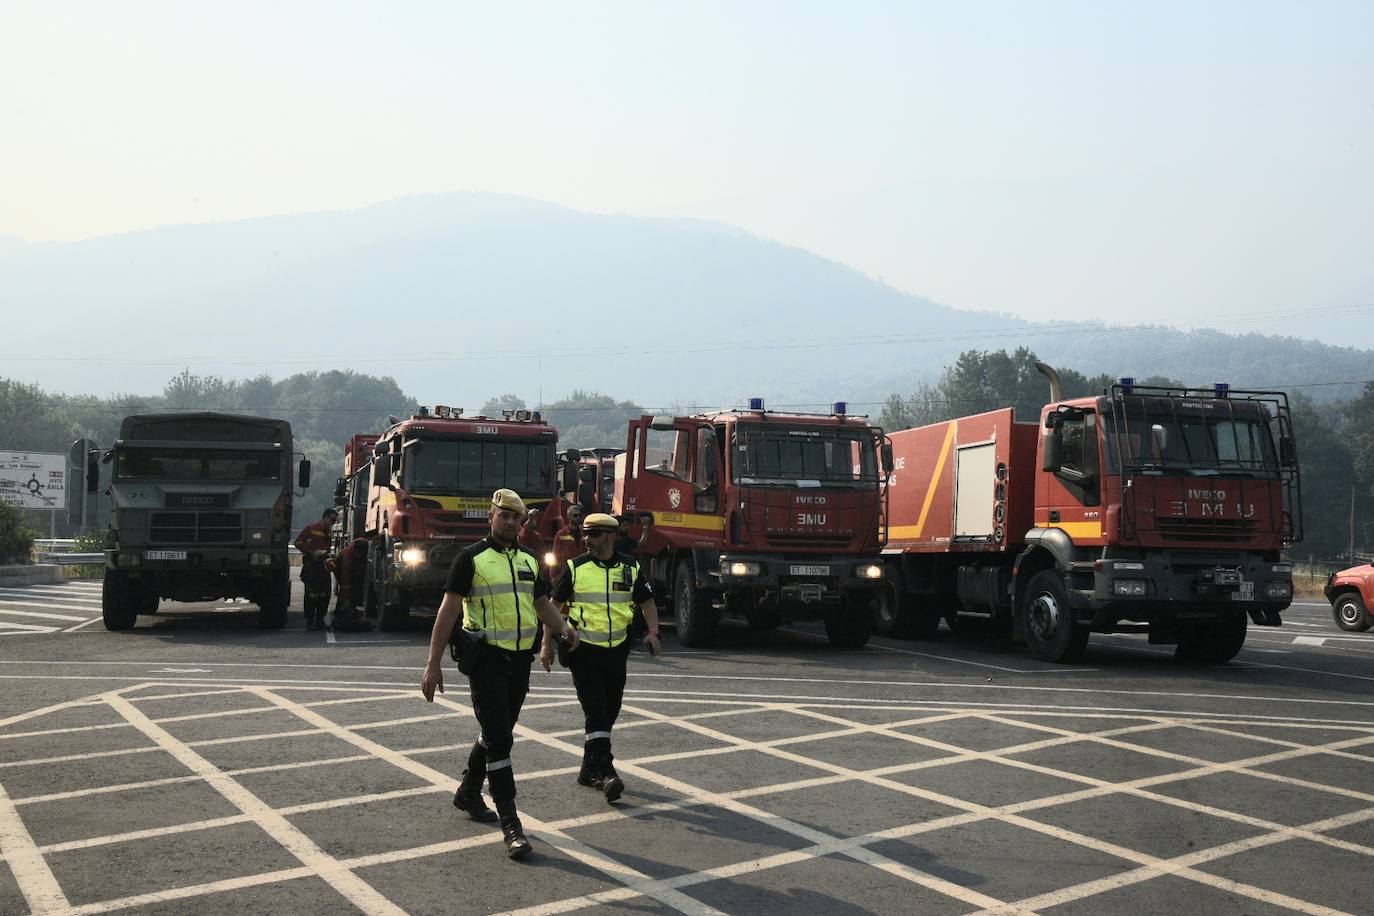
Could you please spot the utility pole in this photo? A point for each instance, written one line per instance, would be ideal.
(1352, 524)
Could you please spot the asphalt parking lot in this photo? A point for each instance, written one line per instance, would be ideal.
(198, 763)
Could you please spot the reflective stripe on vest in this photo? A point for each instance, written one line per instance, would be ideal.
(501, 606)
(600, 611)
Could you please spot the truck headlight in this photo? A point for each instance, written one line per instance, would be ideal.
(409, 556)
(869, 570)
(1278, 589)
(1283, 569)
(1129, 588)
(550, 559)
(1128, 566)
(259, 559)
(741, 568)
(258, 536)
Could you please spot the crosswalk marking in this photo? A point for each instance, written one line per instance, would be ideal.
(42, 602)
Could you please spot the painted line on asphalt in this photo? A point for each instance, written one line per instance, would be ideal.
(7, 604)
(343, 880)
(36, 881)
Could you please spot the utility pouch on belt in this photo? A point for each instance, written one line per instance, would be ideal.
(465, 646)
(563, 653)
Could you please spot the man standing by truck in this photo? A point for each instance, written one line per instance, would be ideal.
(313, 543)
(599, 591)
(567, 543)
(502, 594)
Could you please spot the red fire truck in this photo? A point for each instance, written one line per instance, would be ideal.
(761, 515)
(350, 492)
(431, 481)
(1145, 510)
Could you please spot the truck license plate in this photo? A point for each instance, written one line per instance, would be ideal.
(810, 570)
(1244, 592)
(474, 513)
(165, 555)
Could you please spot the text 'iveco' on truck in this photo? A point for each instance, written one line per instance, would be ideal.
(761, 515)
(201, 510)
(1144, 510)
(431, 484)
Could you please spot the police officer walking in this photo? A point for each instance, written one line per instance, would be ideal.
(599, 591)
(502, 595)
(313, 543)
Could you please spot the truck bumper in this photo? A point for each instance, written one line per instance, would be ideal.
(202, 573)
(1181, 587)
(806, 588)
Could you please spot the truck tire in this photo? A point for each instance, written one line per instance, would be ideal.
(119, 600)
(849, 628)
(274, 603)
(1350, 612)
(1052, 632)
(899, 615)
(694, 616)
(1212, 641)
(393, 609)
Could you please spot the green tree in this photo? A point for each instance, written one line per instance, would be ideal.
(494, 406)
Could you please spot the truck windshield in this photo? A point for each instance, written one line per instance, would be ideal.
(1193, 444)
(197, 464)
(804, 457)
(476, 467)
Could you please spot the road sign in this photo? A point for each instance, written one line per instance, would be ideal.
(33, 481)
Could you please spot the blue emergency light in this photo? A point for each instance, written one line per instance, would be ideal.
(841, 408)
(1221, 390)
(1126, 384)
(756, 403)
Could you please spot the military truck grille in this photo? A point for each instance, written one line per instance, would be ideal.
(195, 528)
(1206, 529)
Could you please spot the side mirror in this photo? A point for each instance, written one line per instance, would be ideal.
(381, 471)
(586, 474)
(572, 456)
(1051, 445)
(93, 470)
(339, 490)
(888, 460)
(303, 476)
(567, 478)
(663, 423)
(1160, 437)
(1288, 452)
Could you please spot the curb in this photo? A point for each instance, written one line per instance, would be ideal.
(29, 575)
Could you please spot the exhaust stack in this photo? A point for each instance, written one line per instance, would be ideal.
(1056, 390)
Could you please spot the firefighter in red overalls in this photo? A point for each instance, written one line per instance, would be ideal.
(313, 543)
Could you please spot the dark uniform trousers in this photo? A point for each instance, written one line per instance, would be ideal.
(317, 581)
(599, 676)
(498, 684)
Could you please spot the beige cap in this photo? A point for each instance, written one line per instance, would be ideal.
(508, 499)
(601, 522)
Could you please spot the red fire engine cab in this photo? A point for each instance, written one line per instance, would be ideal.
(1145, 510)
(761, 515)
(431, 481)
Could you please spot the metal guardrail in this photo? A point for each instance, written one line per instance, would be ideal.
(74, 559)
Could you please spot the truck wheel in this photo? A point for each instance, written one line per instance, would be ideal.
(1212, 641)
(273, 604)
(1350, 613)
(393, 606)
(695, 618)
(849, 628)
(119, 599)
(1051, 631)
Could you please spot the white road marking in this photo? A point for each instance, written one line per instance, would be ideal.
(7, 604)
(81, 625)
(36, 881)
(344, 880)
(1309, 640)
(6, 612)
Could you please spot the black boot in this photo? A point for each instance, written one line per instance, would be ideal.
(468, 799)
(611, 783)
(589, 774)
(516, 844)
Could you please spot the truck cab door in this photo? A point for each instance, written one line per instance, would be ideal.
(1068, 491)
(672, 469)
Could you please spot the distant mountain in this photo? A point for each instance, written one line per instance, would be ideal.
(463, 296)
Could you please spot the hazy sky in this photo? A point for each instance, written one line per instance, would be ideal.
(1129, 161)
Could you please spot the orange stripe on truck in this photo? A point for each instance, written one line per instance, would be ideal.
(935, 478)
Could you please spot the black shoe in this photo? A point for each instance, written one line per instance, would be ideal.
(474, 806)
(516, 844)
(611, 784)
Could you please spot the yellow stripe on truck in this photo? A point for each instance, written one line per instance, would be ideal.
(460, 503)
(934, 481)
(1078, 529)
(686, 520)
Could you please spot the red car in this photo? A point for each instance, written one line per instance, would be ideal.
(1351, 593)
